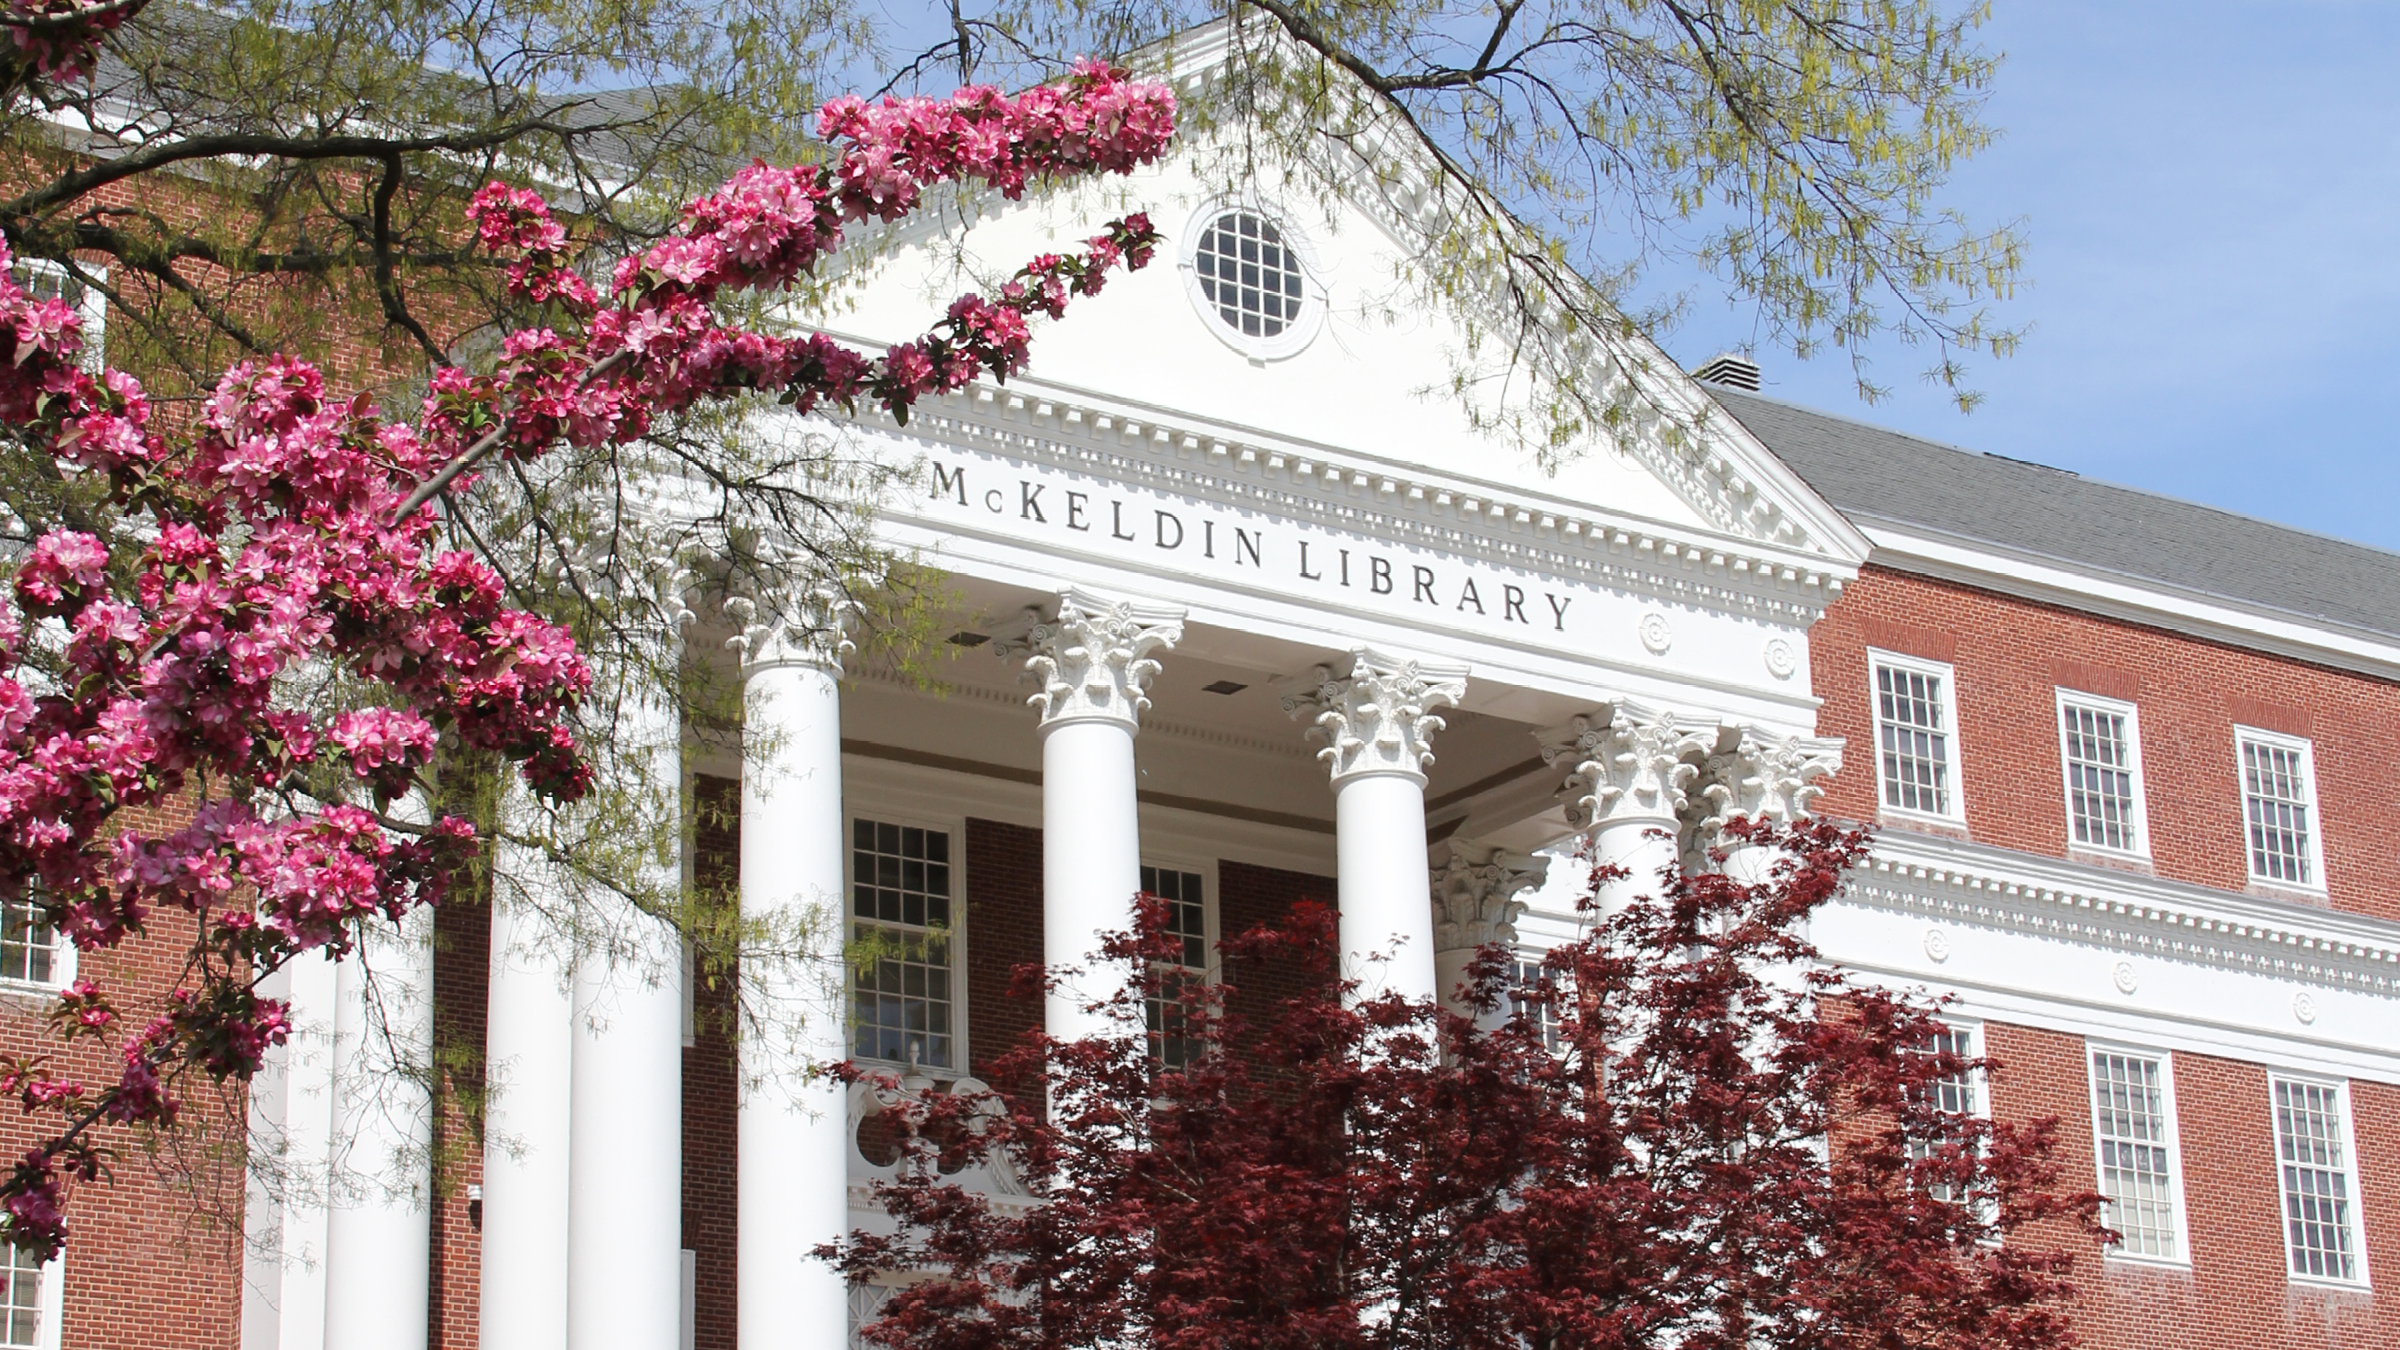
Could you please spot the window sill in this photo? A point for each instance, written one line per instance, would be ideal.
(1923, 822)
(2135, 1261)
(2137, 863)
(2314, 896)
(2329, 1285)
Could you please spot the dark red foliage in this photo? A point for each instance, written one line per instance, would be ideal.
(1716, 1143)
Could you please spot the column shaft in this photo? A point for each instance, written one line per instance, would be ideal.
(625, 1136)
(529, 1051)
(378, 1231)
(1384, 885)
(1091, 861)
(793, 1184)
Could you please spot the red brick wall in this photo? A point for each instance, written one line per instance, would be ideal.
(1003, 933)
(462, 968)
(1249, 896)
(2235, 1293)
(2011, 656)
(154, 1253)
(712, 1087)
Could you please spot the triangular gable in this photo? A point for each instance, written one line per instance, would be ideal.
(1374, 376)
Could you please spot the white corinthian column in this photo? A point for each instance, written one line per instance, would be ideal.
(1378, 724)
(1627, 767)
(378, 1222)
(625, 1128)
(1765, 776)
(793, 1175)
(1475, 904)
(1095, 668)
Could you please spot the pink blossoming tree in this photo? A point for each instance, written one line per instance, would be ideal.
(287, 533)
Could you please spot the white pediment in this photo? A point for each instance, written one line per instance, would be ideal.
(1375, 380)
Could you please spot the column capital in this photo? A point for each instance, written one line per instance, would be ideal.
(814, 637)
(1093, 659)
(1627, 761)
(1764, 775)
(1379, 718)
(1475, 894)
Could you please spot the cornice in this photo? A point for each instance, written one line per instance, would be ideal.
(1980, 886)
(1351, 491)
(2118, 595)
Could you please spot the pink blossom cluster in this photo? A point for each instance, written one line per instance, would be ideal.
(768, 226)
(272, 543)
(61, 39)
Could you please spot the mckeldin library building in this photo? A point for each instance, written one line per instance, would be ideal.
(1242, 615)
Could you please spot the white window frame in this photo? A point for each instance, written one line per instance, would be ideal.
(1521, 958)
(1954, 777)
(2244, 735)
(1300, 331)
(2283, 1201)
(1214, 965)
(1206, 870)
(91, 307)
(50, 1304)
(1978, 1082)
(2075, 698)
(62, 971)
(2165, 1059)
(955, 935)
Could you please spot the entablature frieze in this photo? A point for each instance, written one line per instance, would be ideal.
(1984, 887)
(1780, 582)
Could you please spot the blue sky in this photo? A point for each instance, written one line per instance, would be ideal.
(2211, 197)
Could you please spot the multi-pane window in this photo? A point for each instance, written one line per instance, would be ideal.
(2279, 809)
(21, 1317)
(28, 946)
(42, 279)
(2136, 1146)
(902, 1001)
(1915, 750)
(2312, 1156)
(1187, 924)
(1957, 1095)
(2098, 743)
(1248, 272)
(1525, 977)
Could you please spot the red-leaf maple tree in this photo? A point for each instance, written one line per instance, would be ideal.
(1686, 1132)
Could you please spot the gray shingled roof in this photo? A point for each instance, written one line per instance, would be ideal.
(1877, 476)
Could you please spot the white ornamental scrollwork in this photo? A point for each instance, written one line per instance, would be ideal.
(815, 636)
(1093, 660)
(1628, 762)
(1475, 894)
(1764, 776)
(1379, 718)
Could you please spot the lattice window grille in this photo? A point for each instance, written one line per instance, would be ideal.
(1187, 922)
(21, 1317)
(2101, 798)
(1958, 1095)
(2312, 1154)
(28, 946)
(2129, 1110)
(2277, 803)
(903, 1001)
(1913, 737)
(1249, 274)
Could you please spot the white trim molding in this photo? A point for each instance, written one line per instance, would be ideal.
(2138, 814)
(1952, 789)
(2171, 1145)
(2100, 952)
(2312, 824)
(2354, 1230)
